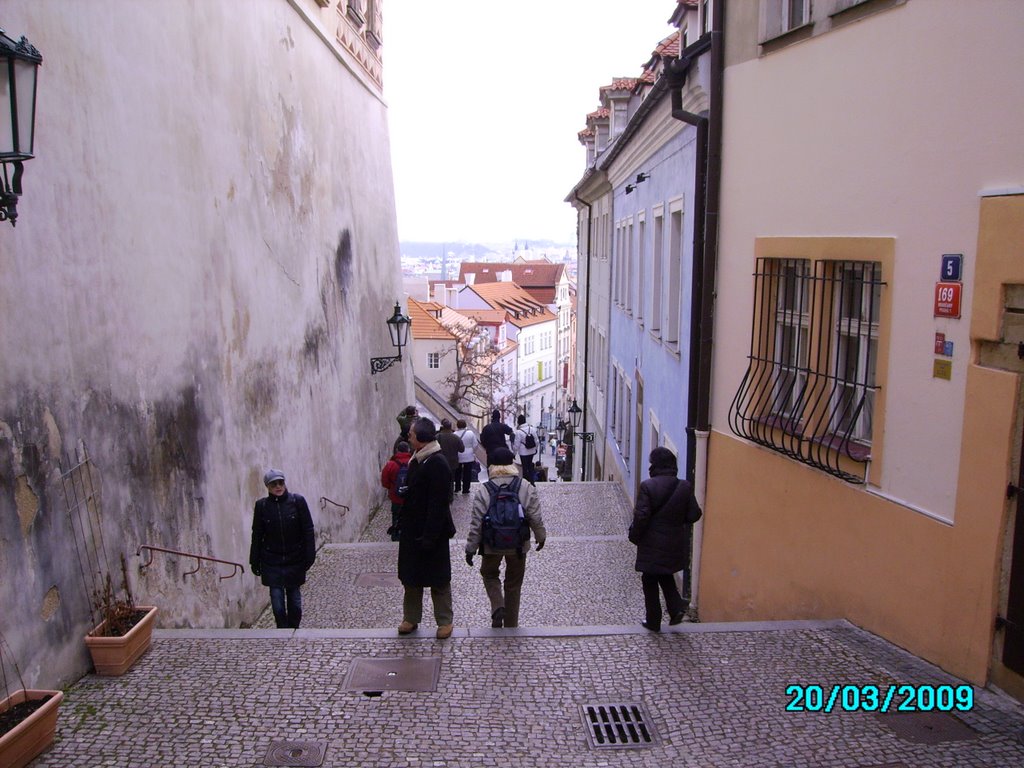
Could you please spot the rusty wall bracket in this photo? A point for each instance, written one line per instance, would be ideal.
(236, 567)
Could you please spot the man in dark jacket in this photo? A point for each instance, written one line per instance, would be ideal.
(425, 528)
(665, 511)
(283, 547)
(493, 435)
(405, 419)
(451, 446)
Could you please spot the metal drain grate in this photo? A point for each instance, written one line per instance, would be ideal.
(377, 580)
(617, 726)
(303, 754)
(404, 673)
(928, 727)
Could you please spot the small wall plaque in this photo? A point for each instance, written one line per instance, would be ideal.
(943, 369)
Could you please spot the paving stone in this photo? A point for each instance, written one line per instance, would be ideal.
(715, 694)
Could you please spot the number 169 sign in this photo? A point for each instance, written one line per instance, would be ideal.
(947, 299)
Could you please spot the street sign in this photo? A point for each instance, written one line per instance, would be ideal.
(947, 299)
(952, 267)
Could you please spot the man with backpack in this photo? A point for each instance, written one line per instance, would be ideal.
(394, 477)
(524, 444)
(505, 511)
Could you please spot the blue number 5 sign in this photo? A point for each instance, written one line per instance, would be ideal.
(952, 266)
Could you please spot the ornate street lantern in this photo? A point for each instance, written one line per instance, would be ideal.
(19, 68)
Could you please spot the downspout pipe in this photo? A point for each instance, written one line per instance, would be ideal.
(702, 308)
(586, 329)
(677, 73)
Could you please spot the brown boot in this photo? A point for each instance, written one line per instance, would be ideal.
(407, 627)
(444, 631)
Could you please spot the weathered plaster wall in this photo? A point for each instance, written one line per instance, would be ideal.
(206, 235)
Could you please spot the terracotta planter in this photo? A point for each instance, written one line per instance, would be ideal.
(32, 735)
(115, 655)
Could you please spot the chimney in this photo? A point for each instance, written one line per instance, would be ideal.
(470, 278)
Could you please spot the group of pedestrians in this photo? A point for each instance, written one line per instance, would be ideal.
(425, 471)
(425, 526)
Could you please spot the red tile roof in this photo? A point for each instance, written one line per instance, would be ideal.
(669, 47)
(424, 324)
(530, 274)
(619, 84)
(484, 316)
(599, 114)
(516, 300)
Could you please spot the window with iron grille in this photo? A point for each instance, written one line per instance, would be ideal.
(810, 386)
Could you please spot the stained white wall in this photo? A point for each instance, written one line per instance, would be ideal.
(206, 241)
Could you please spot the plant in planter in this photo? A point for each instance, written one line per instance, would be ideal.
(125, 629)
(28, 717)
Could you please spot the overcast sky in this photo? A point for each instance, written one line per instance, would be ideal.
(485, 99)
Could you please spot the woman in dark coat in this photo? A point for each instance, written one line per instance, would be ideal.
(283, 547)
(424, 529)
(665, 512)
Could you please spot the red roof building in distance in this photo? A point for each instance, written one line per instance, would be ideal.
(523, 310)
(539, 279)
(425, 321)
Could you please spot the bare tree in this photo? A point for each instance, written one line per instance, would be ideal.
(477, 379)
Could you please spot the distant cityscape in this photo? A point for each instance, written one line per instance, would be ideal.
(440, 261)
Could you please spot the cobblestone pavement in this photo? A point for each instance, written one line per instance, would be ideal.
(710, 695)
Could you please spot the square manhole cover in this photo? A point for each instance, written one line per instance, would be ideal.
(617, 726)
(403, 673)
(296, 753)
(928, 727)
(377, 580)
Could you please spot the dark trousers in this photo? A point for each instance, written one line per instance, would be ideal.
(528, 474)
(396, 513)
(286, 603)
(463, 476)
(652, 600)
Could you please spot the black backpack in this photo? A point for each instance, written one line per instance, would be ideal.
(402, 481)
(530, 441)
(504, 524)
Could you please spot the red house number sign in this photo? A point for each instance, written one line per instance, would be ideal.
(947, 299)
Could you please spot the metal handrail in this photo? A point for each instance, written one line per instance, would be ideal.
(236, 567)
(324, 500)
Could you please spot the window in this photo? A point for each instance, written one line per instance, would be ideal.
(858, 296)
(791, 335)
(615, 401)
(641, 258)
(673, 285)
(781, 16)
(812, 380)
(657, 268)
(433, 360)
(628, 294)
(627, 421)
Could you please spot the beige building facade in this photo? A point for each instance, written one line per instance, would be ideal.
(865, 430)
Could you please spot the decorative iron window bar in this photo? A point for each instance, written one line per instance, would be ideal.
(809, 388)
